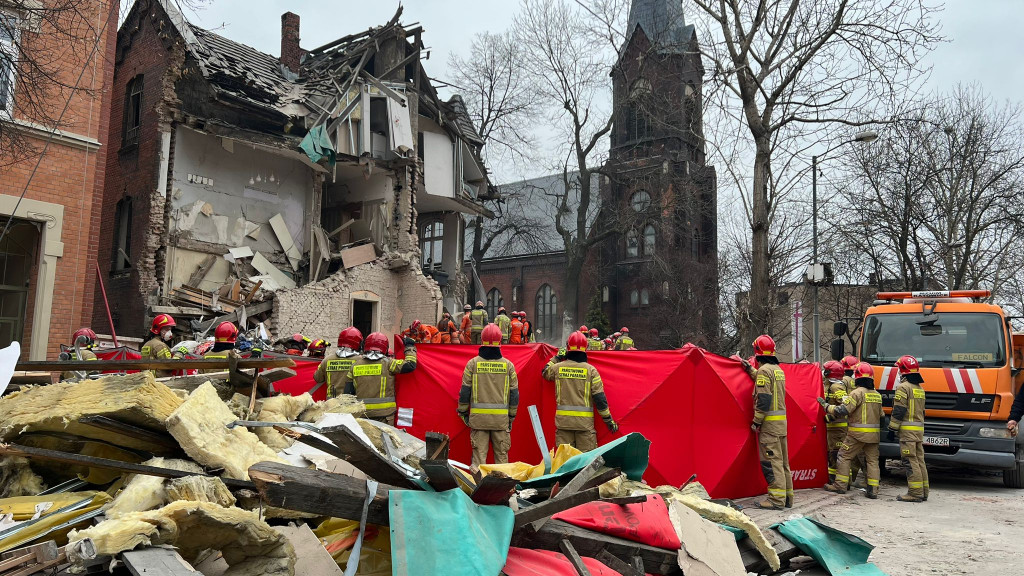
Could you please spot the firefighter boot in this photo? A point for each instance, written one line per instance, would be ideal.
(789, 501)
(767, 505)
(872, 492)
(909, 498)
(834, 487)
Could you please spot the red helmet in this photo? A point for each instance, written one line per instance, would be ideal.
(350, 337)
(376, 342)
(624, 330)
(608, 341)
(415, 325)
(583, 328)
(160, 322)
(833, 369)
(298, 337)
(764, 346)
(593, 332)
(617, 334)
(907, 365)
(87, 333)
(225, 332)
(849, 362)
(318, 344)
(863, 370)
(522, 314)
(491, 335)
(577, 342)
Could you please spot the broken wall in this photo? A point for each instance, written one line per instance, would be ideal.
(322, 309)
(214, 206)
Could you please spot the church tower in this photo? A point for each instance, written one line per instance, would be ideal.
(659, 270)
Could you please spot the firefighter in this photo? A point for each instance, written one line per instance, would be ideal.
(863, 407)
(82, 342)
(296, 345)
(477, 320)
(835, 393)
(527, 328)
(624, 342)
(584, 330)
(489, 399)
(373, 376)
(446, 328)
(578, 390)
(413, 331)
(334, 369)
(770, 423)
(594, 342)
(504, 323)
(156, 348)
(908, 420)
(465, 325)
(608, 343)
(848, 362)
(515, 330)
(224, 338)
(318, 348)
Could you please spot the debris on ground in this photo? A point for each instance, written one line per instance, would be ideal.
(142, 476)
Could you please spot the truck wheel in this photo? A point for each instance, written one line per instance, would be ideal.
(1014, 477)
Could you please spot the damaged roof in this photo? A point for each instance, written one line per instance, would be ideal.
(455, 110)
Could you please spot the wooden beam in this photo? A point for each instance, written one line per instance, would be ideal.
(111, 425)
(437, 446)
(589, 543)
(576, 484)
(202, 270)
(366, 459)
(106, 464)
(94, 365)
(494, 489)
(250, 311)
(249, 296)
(439, 474)
(549, 508)
(156, 562)
(380, 86)
(317, 492)
(617, 564)
(573, 557)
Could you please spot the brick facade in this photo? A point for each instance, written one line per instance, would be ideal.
(70, 178)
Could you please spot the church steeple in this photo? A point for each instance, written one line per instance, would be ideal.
(663, 23)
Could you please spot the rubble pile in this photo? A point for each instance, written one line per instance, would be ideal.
(137, 473)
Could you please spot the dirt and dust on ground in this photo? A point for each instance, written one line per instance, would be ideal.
(971, 524)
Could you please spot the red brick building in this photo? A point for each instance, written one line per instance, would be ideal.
(49, 252)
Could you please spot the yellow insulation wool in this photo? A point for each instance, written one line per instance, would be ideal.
(135, 399)
(283, 408)
(200, 427)
(17, 479)
(199, 489)
(248, 545)
(344, 404)
(147, 492)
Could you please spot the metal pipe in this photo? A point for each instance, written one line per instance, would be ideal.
(814, 258)
(106, 304)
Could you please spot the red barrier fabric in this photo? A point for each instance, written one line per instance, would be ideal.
(525, 562)
(645, 522)
(303, 380)
(694, 406)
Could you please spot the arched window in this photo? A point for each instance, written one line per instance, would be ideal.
(637, 123)
(494, 301)
(132, 112)
(640, 201)
(632, 244)
(650, 238)
(431, 244)
(547, 314)
(634, 298)
(645, 297)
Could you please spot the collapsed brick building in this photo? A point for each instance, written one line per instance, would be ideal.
(334, 180)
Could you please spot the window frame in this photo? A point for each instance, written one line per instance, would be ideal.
(7, 107)
(632, 243)
(122, 236)
(432, 245)
(491, 304)
(546, 314)
(131, 122)
(650, 233)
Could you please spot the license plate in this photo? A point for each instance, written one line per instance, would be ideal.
(936, 441)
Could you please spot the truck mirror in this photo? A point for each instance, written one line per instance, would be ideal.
(839, 329)
(838, 349)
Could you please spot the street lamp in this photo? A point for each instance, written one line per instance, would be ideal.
(865, 137)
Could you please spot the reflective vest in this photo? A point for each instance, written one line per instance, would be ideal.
(910, 397)
(87, 356)
(490, 383)
(595, 344)
(624, 343)
(334, 371)
(835, 396)
(157, 349)
(865, 409)
(770, 399)
(503, 322)
(576, 383)
(222, 355)
(374, 382)
(478, 319)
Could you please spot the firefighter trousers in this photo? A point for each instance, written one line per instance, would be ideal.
(775, 467)
(851, 449)
(834, 437)
(917, 471)
(582, 440)
(499, 440)
(475, 335)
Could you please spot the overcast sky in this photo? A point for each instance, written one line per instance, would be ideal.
(986, 37)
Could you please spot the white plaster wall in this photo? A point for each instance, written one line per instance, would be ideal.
(232, 199)
(437, 164)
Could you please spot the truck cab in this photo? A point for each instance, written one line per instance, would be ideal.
(966, 351)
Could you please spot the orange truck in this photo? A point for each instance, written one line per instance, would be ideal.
(971, 363)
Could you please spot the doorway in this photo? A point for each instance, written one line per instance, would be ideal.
(19, 252)
(364, 315)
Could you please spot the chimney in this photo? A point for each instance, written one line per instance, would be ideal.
(291, 54)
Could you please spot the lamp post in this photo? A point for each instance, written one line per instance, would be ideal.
(866, 136)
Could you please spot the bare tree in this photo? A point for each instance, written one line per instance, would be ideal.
(787, 63)
(942, 195)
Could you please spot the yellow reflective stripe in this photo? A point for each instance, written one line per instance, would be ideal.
(837, 425)
(915, 484)
(905, 427)
(379, 406)
(832, 471)
(774, 418)
(852, 429)
(777, 492)
(872, 482)
(574, 413)
(842, 478)
(475, 398)
(488, 410)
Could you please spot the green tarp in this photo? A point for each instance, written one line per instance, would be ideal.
(840, 553)
(628, 453)
(317, 145)
(446, 534)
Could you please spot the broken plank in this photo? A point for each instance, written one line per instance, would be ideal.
(250, 311)
(112, 425)
(549, 508)
(437, 446)
(157, 562)
(203, 363)
(106, 463)
(202, 270)
(366, 458)
(439, 474)
(576, 484)
(284, 236)
(494, 489)
(318, 492)
(34, 554)
(264, 266)
(573, 557)
(252, 292)
(601, 478)
(40, 566)
(617, 564)
(589, 543)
